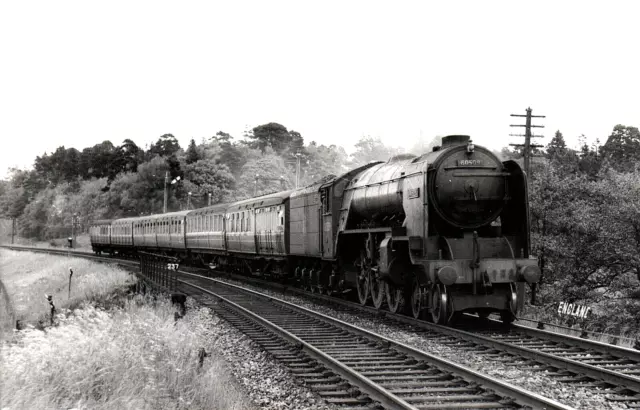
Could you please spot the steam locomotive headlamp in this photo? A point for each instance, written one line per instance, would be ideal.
(470, 147)
(530, 273)
(447, 275)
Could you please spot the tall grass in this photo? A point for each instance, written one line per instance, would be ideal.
(135, 357)
(28, 277)
(131, 355)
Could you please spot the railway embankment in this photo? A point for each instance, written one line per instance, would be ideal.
(110, 349)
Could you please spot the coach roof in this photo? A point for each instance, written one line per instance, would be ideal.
(277, 198)
(213, 209)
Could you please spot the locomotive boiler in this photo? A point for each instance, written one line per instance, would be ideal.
(439, 234)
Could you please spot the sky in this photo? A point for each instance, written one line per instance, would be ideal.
(76, 73)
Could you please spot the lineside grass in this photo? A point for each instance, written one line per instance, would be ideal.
(108, 352)
(83, 242)
(28, 277)
(135, 357)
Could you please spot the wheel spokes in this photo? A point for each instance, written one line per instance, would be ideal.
(440, 306)
(416, 300)
(395, 297)
(377, 291)
(363, 288)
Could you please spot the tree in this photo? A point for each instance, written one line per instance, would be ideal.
(32, 223)
(296, 142)
(166, 146)
(134, 194)
(565, 159)
(270, 169)
(370, 149)
(323, 161)
(232, 154)
(622, 149)
(130, 156)
(192, 153)
(276, 136)
(208, 177)
(589, 162)
(556, 146)
(98, 161)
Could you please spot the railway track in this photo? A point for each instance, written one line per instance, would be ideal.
(352, 367)
(614, 370)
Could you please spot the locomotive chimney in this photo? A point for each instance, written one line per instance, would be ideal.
(452, 140)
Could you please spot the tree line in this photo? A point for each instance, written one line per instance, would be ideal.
(112, 181)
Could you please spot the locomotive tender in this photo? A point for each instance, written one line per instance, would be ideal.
(435, 235)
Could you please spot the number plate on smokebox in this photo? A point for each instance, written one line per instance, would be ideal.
(470, 163)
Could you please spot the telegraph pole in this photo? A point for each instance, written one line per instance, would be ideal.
(527, 146)
(13, 229)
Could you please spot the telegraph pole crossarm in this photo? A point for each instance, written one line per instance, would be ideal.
(527, 146)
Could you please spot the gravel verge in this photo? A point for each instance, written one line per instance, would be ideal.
(267, 382)
(574, 395)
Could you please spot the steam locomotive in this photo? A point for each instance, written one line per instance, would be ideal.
(434, 236)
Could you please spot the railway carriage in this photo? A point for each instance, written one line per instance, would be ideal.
(122, 235)
(164, 232)
(170, 231)
(100, 236)
(206, 230)
(257, 233)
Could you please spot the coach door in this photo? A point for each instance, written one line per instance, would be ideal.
(326, 234)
